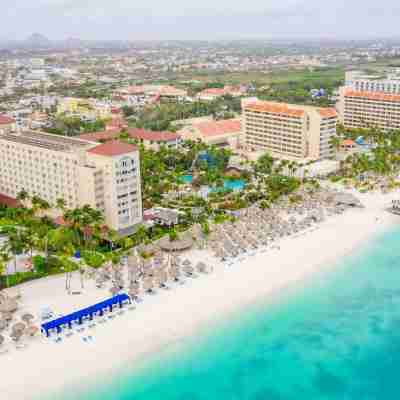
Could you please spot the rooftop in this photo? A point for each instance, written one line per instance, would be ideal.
(217, 128)
(8, 201)
(5, 120)
(373, 95)
(113, 148)
(274, 108)
(327, 112)
(103, 135)
(143, 134)
(47, 141)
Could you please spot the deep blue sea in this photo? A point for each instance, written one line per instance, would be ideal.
(335, 337)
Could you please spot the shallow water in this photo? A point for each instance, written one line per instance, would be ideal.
(337, 337)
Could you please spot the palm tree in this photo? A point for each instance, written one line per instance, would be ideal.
(38, 204)
(16, 244)
(4, 260)
(22, 196)
(335, 142)
(61, 204)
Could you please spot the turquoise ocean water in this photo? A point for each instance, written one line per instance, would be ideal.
(337, 337)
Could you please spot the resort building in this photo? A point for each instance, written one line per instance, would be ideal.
(223, 133)
(211, 94)
(154, 140)
(104, 176)
(289, 131)
(362, 82)
(150, 139)
(86, 109)
(369, 109)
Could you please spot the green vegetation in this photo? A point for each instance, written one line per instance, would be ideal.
(159, 117)
(377, 167)
(73, 126)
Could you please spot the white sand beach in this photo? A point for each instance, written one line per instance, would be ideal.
(173, 314)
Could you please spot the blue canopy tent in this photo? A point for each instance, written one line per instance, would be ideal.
(86, 312)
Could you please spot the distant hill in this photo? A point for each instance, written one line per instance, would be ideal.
(37, 40)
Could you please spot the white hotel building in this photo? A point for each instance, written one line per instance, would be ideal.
(369, 109)
(289, 131)
(104, 176)
(361, 82)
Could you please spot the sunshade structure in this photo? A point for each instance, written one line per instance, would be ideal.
(201, 267)
(181, 244)
(18, 327)
(148, 285)
(188, 269)
(27, 318)
(16, 335)
(8, 305)
(133, 293)
(3, 324)
(7, 316)
(85, 312)
(134, 286)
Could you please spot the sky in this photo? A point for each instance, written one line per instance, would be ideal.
(205, 19)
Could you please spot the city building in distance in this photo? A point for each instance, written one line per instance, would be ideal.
(362, 82)
(104, 176)
(289, 131)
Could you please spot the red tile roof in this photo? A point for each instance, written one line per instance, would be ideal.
(9, 201)
(327, 112)
(143, 134)
(213, 92)
(217, 128)
(98, 136)
(347, 143)
(4, 120)
(274, 108)
(60, 221)
(134, 133)
(373, 95)
(113, 148)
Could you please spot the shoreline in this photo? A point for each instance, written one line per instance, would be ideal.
(169, 317)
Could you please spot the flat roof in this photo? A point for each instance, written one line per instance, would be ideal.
(47, 141)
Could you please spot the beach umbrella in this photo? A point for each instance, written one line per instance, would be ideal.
(117, 276)
(186, 262)
(188, 269)
(164, 276)
(16, 335)
(8, 305)
(134, 286)
(7, 316)
(133, 293)
(148, 285)
(3, 324)
(18, 327)
(27, 318)
(201, 267)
